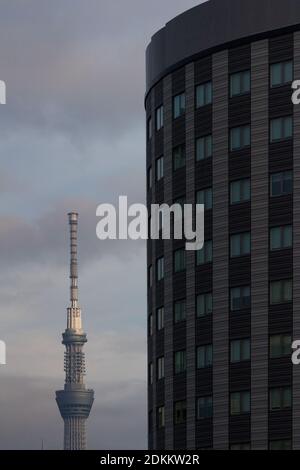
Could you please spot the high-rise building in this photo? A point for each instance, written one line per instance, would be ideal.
(222, 130)
(75, 401)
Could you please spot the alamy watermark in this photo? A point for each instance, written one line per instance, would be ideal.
(2, 353)
(2, 92)
(164, 222)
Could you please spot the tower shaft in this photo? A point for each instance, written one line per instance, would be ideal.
(75, 401)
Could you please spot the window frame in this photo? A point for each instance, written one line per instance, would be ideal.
(207, 355)
(181, 254)
(242, 82)
(285, 285)
(282, 237)
(161, 417)
(150, 324)
(207, 253)
(182, 317)
(282, 65)
(207, 198)
(180, 409)
(207, 94)
(181, 158)
(282, 123)
(244, 352)
(281, 392)
(182, 363)
(149, 129)
(160, 269)
(205, 296)
(159, 118)
(244, 244)
(160, 318)
(282, 182)
(181, 107)
(283, 444)
(243, 410)
(159, 168)
(206, 142)
(160, 368)
(244, 137)
(207, 407)
(242, 191)
(283, 349)
(243, 305)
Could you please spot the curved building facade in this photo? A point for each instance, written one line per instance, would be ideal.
(222, 130)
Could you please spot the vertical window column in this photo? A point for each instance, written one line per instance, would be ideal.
(221, 252)
(152, 360)
(296, 251)
(190, 262)
(168, 267)
(260, 243)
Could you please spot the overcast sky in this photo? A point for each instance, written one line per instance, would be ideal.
(72, 137)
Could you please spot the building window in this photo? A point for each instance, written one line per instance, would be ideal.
(161, 417)
(284, 444)
(179, 311)
(204, 256)
(240, 83)
(159, 168)
(151, 373)
(281, 128)
(150, 324)
(205, 197)
(149, 178)
(149, 129)
(241, 446)
(160, 318)
(159, 118)
(204, 304)
(281, 237)
(240, 298)
(239, 137)
(280, 346)
(180, 412)
(178, 157)
(281, 73)
(240, 191)
(160, 368)
(280, 398)
(239, 403)
(180, 362)
(160, 269)
(203, 94)
(204, 356)
(281, 183)
(204, 407)
(181, 202)
(204, 148)
(240, 350)
(178, 105)
(150, 276)
(179, 260)
(281, 292)
(150, 421)
(240, 244)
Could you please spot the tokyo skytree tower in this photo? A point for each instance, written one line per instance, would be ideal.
(75, 401)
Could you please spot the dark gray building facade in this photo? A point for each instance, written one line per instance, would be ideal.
(222, 130)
